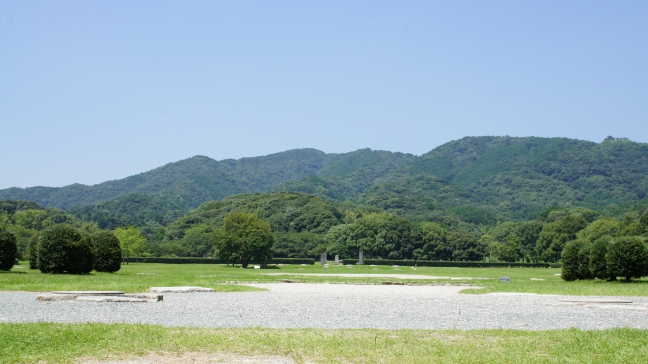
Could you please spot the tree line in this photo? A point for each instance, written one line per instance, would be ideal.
(307, 225)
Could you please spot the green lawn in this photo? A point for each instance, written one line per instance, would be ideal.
(64, 343)
(139, 277)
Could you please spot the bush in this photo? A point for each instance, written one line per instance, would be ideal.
(84, 262)
(627, 257)
(33, 252)
(62, 249)
(108, 252)
(8, 250)
(584, 261)
(575, 259)
(598, 260)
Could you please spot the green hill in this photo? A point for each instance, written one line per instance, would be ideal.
(474, 180)
(199, 179)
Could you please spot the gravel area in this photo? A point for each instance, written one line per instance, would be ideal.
(301, 305)
(362, 275)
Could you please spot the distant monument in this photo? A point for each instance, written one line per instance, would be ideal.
(323, 260)
(337, 259)
(360, 256)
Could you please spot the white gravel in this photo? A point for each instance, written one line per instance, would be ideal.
(300, 305)
(363, 275)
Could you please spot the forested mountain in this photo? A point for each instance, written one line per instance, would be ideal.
(474, 181)
(518, 177)
(193, 181)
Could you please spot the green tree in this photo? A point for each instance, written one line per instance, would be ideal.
(433, 238)
(598, 260)
(108, 252)
(556, 234)
(599, 228)
(243, 238)
(62, 249)
(8, 249)
(529, 232)
(572, 260)
(465, 246)
(197, 241)
(510, 250)
(86, 254)
(31, 219)
(584, 258)
(627, 257)
(501, 231)
(131, 240)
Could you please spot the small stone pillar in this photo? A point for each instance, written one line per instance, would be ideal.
(337, 259)
(360, 256)
(323, 260)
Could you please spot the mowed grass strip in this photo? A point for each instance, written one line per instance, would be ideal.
(140, 277)
(130, 278)
(64, 343)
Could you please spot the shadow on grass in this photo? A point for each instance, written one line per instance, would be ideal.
(10, 272)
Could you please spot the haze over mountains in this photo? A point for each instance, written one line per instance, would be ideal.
(477, 178)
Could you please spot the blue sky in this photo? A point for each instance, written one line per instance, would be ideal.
(98, 90)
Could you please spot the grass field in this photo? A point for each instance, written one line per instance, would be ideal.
(139, 277)
(61, 343)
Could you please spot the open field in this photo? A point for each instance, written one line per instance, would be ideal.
(139, 277)
(60, 343)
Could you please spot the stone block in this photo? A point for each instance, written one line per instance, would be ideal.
(90, 293)
(180, 289)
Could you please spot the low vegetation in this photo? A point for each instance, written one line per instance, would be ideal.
(140, 277)
(62, 343)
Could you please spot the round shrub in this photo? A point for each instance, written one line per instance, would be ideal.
(572, 259)
(584, 261)
(627, 257)
(62, 249)
(598, 260)
(108, 252)
(8, 250)
(86, 255)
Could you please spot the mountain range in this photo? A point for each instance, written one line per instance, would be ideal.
(478, 180)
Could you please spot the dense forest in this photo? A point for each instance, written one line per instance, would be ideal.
(477, 198)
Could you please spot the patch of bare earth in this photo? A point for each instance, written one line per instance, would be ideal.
(196, 358)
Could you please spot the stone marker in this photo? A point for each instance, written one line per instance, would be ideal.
(257, 267)
(337, 259)
(56, 297)
(110, 299)
(323, 260)
(599, 301)
(537, 279)
(147, 296)
(96, 296)
(505, 279)
(180, 289)
(360, 256)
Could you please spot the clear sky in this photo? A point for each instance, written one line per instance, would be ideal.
(98, 90)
